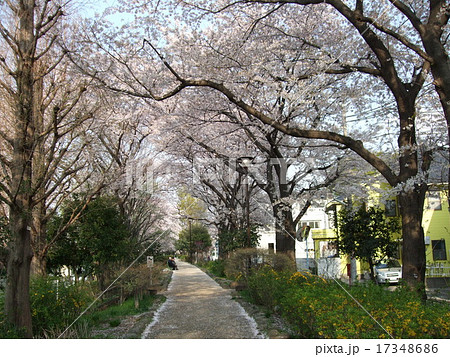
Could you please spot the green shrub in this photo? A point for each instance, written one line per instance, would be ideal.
(216, 267)
(317, 308)
(7, 330)
(55, 304)
(266, 286)
(114, 323)
(244, 262)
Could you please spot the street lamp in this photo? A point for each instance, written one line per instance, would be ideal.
(190, 240)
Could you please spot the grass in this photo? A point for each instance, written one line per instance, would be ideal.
(114, 313)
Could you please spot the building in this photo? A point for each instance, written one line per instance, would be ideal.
(319, 254)
(436, 226)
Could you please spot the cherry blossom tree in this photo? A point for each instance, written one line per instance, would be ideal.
(241, 50)
(384, 64)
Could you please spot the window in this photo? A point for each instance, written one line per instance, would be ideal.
(390, 208)
(271, 247)
(439, 251)
(434, 200)
(312, 224)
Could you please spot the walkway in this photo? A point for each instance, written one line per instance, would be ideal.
(198, 308)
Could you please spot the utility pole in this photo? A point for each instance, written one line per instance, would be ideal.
(245, 163)
(190, 240)
(247, 197)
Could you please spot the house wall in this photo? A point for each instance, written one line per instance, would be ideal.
(436, 226)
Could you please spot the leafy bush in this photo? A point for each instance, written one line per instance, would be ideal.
(137, 278)
(55, 304)
(244, 262)
(317, 308)
(215, 267)
(266, 286)
(7, 330)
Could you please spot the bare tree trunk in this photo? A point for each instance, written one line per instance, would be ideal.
(39, 241)
(39, 228)
(413, 249)
(285, 231)
(371, 271)
(17, 298)
(431, 34)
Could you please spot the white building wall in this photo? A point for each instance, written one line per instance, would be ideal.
(316, 217)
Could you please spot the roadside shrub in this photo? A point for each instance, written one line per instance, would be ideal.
(244, 262)
(317, 308)
(137, 278)
(7, 330)
(215, 267)
(56, 303)
(266, 286)
(136, 282)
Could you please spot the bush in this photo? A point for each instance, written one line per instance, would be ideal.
(215, 267)
(244, 262)
(55, 304)
(317, 308)
(266, 286)
(7, 330)
(137, 278)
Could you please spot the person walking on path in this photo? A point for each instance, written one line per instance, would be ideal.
(198, 308)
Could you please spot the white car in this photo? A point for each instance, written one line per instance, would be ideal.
(388, 272)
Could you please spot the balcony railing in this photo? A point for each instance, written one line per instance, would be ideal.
(437, 270)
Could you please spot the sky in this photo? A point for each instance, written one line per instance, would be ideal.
(92, 8)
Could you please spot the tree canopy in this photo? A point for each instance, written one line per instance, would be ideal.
(366, 234)
(102, 106)
(194, 239)
(98, 238)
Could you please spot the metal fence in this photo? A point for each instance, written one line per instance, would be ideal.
(437, 270)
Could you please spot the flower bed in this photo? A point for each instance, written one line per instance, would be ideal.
(318, 308)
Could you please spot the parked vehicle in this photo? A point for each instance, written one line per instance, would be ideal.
(388, 272)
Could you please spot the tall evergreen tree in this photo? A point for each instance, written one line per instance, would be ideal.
(367, 234)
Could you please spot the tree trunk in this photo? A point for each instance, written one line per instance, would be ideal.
(39, 241)
(371, 271)
(413, 250)
(285, 231)
(38, 265)
(17, 296)
(39, 228)
(440, 67)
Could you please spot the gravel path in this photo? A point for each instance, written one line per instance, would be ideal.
(198, 308)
